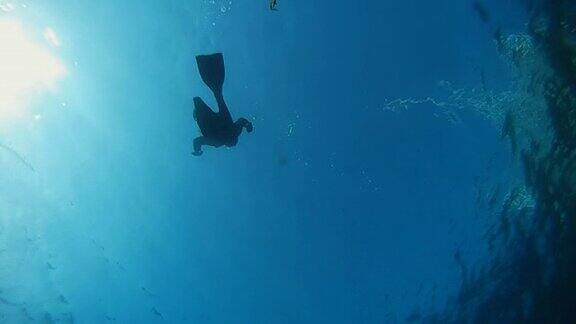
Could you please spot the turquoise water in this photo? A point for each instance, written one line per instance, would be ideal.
(364, 195)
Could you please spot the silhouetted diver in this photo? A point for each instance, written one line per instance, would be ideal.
(217, 128)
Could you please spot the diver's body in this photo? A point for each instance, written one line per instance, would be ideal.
(217, 128)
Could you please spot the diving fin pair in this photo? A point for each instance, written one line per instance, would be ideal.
(212, 71)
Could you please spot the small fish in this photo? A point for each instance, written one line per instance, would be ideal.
(414, 317)
(63, 299)
(156, 312)
(148, 293)
(120, 266)
(48, 318)
(481, 10)
(273, 4)
(26, 313)
(7, 302)
(282, 160)
(508, 130)
(494, 198)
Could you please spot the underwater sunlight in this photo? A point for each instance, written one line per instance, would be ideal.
(270, 162)
(27, 67)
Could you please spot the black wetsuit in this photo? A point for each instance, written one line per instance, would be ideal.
(217, 128)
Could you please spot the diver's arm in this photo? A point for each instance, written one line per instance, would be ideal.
(202, 140)
(244, 123)
(198, 142)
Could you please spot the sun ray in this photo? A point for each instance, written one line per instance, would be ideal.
(26, 68)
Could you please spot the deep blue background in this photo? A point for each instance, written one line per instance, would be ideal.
(333, 211)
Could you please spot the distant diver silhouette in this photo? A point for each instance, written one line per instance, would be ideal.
(217, 128)
(273, 4)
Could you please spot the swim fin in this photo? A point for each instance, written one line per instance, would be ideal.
(211, 68)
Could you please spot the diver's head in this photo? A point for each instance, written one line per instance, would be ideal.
(244, 123)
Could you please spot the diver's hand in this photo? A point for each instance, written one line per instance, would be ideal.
(197, 153)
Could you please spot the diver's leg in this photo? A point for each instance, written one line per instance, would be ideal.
(204, 116)
(223, 111)
(201, 109)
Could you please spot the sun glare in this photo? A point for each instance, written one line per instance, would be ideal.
(27, 67)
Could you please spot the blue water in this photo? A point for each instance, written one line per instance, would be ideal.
(333, 211)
